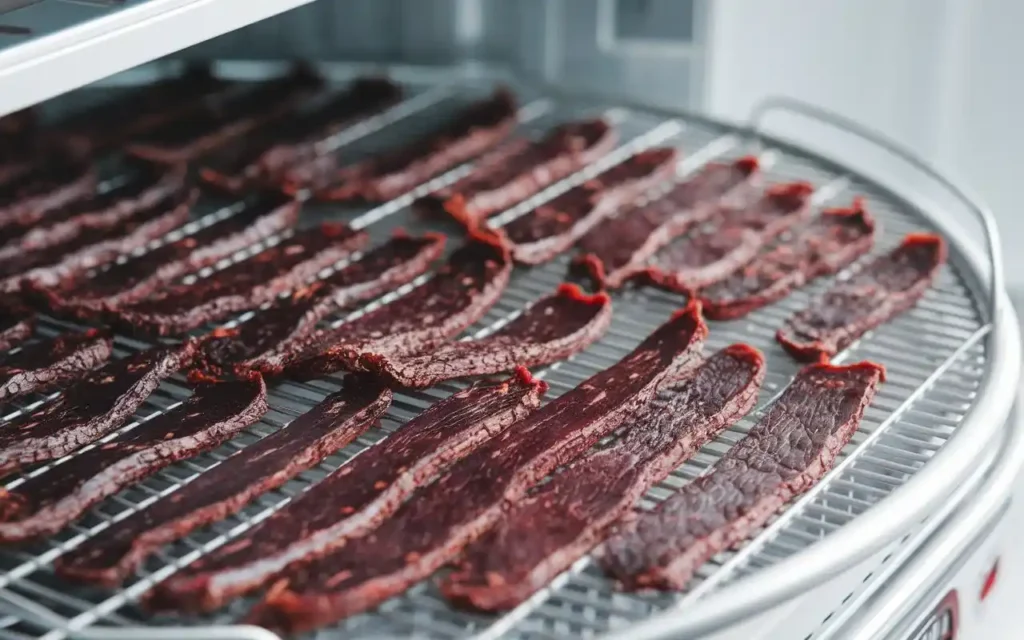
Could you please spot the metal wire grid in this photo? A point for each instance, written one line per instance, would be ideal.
(934, 356)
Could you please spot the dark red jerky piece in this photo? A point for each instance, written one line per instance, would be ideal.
(396, 262)
(458, 295)
(522, 168)
(824, 246)
(555, 226)
(43, 365)
(245, 285)
(356, 498)
(16, 323)
(47, 503)
(100, 402)
(439, 521)
(225, 489)
(791, 447)
(618, 248)
(882, 290)
(567, 517)
(731, 239)
(553, 328)
(28, 199)
(384, 177)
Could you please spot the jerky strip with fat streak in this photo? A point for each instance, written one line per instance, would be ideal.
(45, 504)
(438, 522)
(790, 448)
(357, 497)
(553, 328)
(43, 365)
(228, 487)
(16, 323)
(824, 246)
(543, 535)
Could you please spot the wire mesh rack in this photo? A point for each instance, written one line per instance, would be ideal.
(936, 357)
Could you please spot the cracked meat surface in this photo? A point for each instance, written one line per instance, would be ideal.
(53, 362)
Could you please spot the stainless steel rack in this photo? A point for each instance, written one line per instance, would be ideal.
(952, 370)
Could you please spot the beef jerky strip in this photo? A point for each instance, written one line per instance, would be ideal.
(265, 157)
(618, 248)
(883, 289)
(383, 269)
(357, 497)
(16, 323)
(89, 409)
(567, 517)
(228, 487)
(790, 448)
(730, 240)
(46, 187)
(47, 503)
(244, 285)
(48, 363)
(384, 177)
(824, 246)
(554, 226)
(458, 295)
(522, 168)
(553, 328)
(439, 521)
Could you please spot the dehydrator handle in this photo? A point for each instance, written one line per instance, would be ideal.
(962, 193)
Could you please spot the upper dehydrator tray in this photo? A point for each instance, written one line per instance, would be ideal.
(952, 372)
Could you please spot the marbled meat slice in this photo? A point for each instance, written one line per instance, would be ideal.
(383, 269)
(790, 448)
(547, 532)
(357, 497)
(824, 246)
(244, 285)
(883, 289)
(553, 328)
(439, 521)
(223, 490)
(45, 504)
(86, 411)
(618, 248)
(52, 362)
(556, 225)
(16, 323)
(46, 187)
(521, 168)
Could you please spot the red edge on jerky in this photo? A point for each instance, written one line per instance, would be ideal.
(592, 266)
(865, 365)
(748, 164)
(692, 308)
(928, 240)
(573, 292)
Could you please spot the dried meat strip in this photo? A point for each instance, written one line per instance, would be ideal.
(357, 497)
(618, 248)
(228, 487)
(521, 168)
(89, 409)
(553, 227)
(45, 504)
(553, 328)
(567, 517)
(16, 323)
(244, 285)
(883, 289)
(790, 448)
(435, 524)
(48, 363)
(385, 268)
(824, 246)
(46, 187)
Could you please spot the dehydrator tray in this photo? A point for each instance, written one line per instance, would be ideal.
(952, 366)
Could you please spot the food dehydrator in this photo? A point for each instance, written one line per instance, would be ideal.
(901, 540)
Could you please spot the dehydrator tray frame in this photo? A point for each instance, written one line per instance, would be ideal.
(953, 371)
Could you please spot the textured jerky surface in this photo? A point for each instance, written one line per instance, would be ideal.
(16, 323)
(555, 327)
(396, 262)
(824, 246)
(790, 448)
(356, 498)
(31, 198)
(48, 363)
(883, 289)
(100, 402)
(439, 521)
(223, 490)
(553, 227)
(547, 532)
(47, 503)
